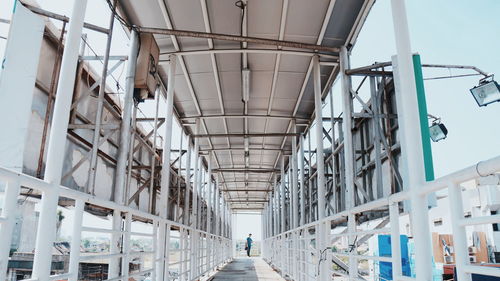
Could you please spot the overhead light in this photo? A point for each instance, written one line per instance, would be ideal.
(245, 74)
(438, 131)
(488, 91)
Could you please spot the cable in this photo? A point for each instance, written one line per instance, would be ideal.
(322, 257)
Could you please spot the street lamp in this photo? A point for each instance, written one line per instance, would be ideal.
(488, 91)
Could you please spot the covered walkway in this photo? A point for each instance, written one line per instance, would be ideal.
(247, 269)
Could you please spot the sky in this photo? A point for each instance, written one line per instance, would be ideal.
(443, 32)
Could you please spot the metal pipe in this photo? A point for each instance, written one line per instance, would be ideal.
(395, 240)
(282, 193)
(320, 161)
(50, 98)
(236, 38)
(62, 18)
(165, 170)
(125, 126)
(209, 194)
(411, 141)
(76, 235)
(348, 153)
(295, 188)
(99, 110)
(459, 232)
(234, 135)
(302, 192)
(196, 177)
(187, 191)
(57, 143)
(152, 191)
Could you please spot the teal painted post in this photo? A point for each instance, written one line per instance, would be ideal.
(424, 125)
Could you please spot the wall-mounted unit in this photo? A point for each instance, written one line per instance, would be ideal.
(147, 65)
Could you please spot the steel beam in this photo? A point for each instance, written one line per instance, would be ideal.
(237, 38)
(125, 130)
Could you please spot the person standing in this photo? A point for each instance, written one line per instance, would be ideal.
(249, 244)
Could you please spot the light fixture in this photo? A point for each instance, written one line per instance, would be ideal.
(437, 131)
(488, 91)
(245, 74)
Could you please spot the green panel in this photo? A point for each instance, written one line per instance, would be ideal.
(424, 124)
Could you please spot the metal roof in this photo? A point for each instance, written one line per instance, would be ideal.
(209, 75)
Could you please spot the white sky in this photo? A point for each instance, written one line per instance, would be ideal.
(446, 31)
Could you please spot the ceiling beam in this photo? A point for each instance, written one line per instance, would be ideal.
(237, 38)
(236, 135)
(281, 117)
(245, 170)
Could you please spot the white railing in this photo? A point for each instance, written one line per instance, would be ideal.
(189, 264)
(306, 258)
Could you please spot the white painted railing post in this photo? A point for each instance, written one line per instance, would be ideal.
(76, 239)
(459, 233)
(395, 240)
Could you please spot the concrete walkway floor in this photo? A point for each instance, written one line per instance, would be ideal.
(247, 269)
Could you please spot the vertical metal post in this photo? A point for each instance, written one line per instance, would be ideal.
(411, 140)
(186, 215)
(152, 192)
(277, 217)
(295, 192)
(333, 147)
(114, 247)
(309, 181)
(348, 155)
(126, 124)
(302, 181)
(165, 170)
(9, 213)
(201, 183)
(395, 241)
(459, 233)
(217, 206)
(320, 160)
(282, 193)
(100, 104)
(209, 194)
(76, 239)
(57, 143)
(376, 138)
(126, 246)
(177, 215)
(196, 177)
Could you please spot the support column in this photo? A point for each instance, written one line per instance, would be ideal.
(57, 144)
(209, 194)
(295, 188)
(126, 124)
(100, 104)
(165, 170)
(196, 176)
(217, 206)
(348, 154)
(411, 141)
(302, 220)
(185, 214)
(459, 232)
(320, 162)
(76, 239)
(282, 194)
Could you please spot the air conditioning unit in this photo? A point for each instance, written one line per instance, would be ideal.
(146, 68)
